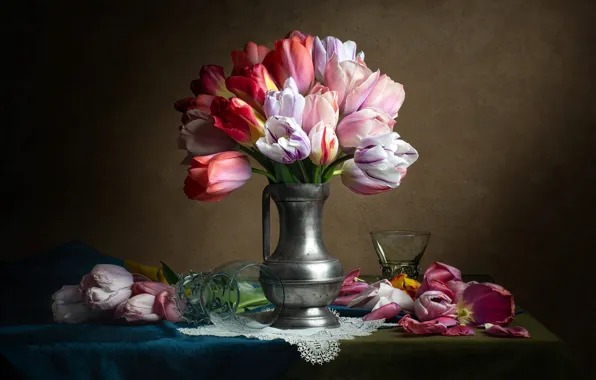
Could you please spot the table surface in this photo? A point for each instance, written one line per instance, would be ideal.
(33, 347)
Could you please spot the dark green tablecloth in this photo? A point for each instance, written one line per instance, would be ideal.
(391, 354)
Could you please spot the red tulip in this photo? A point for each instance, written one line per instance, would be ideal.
(212, 81)
(212, 178)
(290, 58)
(238, 119)
(252, 85)
(250, 56)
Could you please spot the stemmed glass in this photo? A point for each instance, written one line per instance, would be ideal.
(400, 251)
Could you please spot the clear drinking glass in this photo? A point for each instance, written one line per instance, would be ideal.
(231, 296)
(400, 251)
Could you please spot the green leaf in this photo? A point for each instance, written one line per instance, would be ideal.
(169, 274)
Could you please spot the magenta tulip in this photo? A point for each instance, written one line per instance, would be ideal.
(485, 303)
(442, 272)
(386, 95)
(364, 123)
(353, 82)
(138, 309)
(212, 178)
(433, 304)
(320, 105)
(350, 285)
(324, 144)
(200, 137)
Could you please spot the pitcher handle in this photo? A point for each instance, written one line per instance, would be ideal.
(266, 225)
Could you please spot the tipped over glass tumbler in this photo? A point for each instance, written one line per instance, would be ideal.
(230, 296)
(400, 251)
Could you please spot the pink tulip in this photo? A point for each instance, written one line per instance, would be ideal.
(320, 105)
(433, 304)
(101, 299)
(165, 306)
(250, 56)
(350, 285)
(453, 288)
(290, 58)
(238, 119)
(324, 144)
(367, 122)
(386, 95)
(325, 49)
(148, 287)
(384, 158)
(384, 309)
(355, 179)
(138, 309)
(212, 178)
(506, 332)
(353, 82)
(485, 303)
(212, 81)
(200, 137)
(442, 272)
(106, 286)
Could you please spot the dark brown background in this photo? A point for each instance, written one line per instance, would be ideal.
(500, 103)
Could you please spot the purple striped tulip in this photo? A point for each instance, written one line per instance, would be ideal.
(287, 102)
(284, 140)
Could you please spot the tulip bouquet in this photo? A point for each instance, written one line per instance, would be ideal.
(306, 110)
(442, 303)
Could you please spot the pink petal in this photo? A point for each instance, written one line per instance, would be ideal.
(165, 306)
(387, 311)
(344, 300)
(137, 277)
(355, 288)
(508, 332)
(148, 287)
(421, 328)
(442, 272)
(489, 303)
(351, 275)
(447, 321)
(459, 330)
(435, 285)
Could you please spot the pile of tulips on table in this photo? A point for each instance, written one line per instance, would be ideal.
(442, 304)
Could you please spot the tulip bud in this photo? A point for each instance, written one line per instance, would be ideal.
(324, 144)
(212, 81)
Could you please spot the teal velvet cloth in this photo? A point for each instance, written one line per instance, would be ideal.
(32, 346)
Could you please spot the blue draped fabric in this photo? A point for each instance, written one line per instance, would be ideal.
(32, 346)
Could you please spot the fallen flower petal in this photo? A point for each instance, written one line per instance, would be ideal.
(386, 311)
(460, 330)
(506, 332)
(411, 325)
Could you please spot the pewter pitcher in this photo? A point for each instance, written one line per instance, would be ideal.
(311, 278)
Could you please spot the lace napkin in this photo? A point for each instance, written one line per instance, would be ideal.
(316, 345)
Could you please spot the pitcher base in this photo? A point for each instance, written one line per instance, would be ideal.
(303, 318)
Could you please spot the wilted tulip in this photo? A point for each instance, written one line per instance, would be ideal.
(250, 56)
(138, 309)
(386, 95)
(435, 326)
(506, 332)
(165, 306)
(290, 58)
(324, 144)
(369, 297)
(384, 309)
(287, 102)
(320, 105)
(212, 178)
(200, 137)
(238, 119)
(434, 304)
(324, 49)
(367, 122)
(284, 140)
(352, 80)
(148, 287)
(485, 303)
(212, 81)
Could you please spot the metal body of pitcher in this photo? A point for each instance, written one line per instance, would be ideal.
(311, 278)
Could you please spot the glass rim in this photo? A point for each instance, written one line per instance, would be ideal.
(400, 232)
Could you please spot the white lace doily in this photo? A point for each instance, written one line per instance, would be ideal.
(316, 345)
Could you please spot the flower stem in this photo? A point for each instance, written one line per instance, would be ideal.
(303, 170)
(331, 168)
(259, 157)
(317, 176)
(265, 173)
